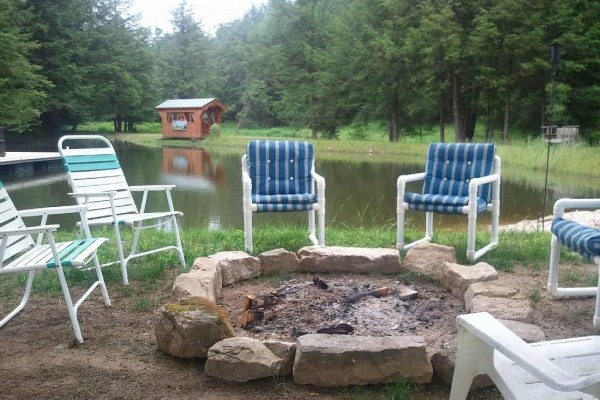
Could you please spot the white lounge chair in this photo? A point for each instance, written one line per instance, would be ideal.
(579, 238)
(20, 253)
(96, 178)
(552, 370)
(458, 179)
(279, 176)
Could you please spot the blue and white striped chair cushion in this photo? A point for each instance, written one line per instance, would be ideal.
(281, 175)
(441, 204)
(448, 171)
(580, 238)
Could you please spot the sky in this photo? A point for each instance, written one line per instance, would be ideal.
(210, 13)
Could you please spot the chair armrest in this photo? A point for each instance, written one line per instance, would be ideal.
(29, 230)
(36, 212)
(152, 188)
(499, 337)
(562, 204)
(483, 180)
(94, 194)
(403, 179)
(320, 180)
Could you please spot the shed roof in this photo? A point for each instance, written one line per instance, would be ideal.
(185, 103)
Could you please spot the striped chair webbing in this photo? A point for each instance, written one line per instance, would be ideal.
(451, 166)
(579, 238)
(280, 167)
(92, 162)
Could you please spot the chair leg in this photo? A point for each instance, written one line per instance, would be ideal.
(102, 285)
(122, 259)
(471, 233)
(248, 230)
(23, 302)
(311, 227)
(69, 303)
(178, 241)
(553, 270)
(321, 214)
(400, 227)
(465, 368)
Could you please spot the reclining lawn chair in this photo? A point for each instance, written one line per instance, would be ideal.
(557, 369)
(280, 176)
(20, 253)
(458, 179)
(97, 181)
(578, 238)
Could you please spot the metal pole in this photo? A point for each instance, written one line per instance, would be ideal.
(554, 59)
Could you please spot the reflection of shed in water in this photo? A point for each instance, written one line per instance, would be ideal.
(191, 169)
(190, 118)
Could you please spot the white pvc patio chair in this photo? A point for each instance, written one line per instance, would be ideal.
(279, 176)
(458, 179)
(552, 370)
(96, 178)
(20, 253)
(578, 238)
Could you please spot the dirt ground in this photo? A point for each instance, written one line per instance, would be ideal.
(119, 358)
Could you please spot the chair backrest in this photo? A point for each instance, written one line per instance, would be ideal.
(96, 169)
(280, 167)
(10, 219)
(451, 166)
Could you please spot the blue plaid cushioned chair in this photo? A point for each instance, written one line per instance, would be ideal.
(280, 176)
(578, 238)
(458, 179)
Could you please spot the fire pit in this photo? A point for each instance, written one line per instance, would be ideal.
(357, 304)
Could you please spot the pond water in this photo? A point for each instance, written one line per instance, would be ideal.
(209, 193)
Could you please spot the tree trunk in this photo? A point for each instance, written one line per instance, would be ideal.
(242, 118)
(442, 120)
(394, 135)
(506, 118)
(458, 126)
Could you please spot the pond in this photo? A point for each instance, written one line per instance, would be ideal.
(359, 193)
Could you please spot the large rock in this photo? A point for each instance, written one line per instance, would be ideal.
(444, 362)
(528, 332)
(188, 328)
(429, 258)
(203, 280)
(284, 350)
(348, 259)
(278, 260)
(458, 277)
(236, 266)
(488, 289)
(512, 309)
(338, 360)
(241, 359)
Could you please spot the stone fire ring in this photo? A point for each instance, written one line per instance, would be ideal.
(194, 326)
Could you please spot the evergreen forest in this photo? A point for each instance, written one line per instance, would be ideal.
(316, 64)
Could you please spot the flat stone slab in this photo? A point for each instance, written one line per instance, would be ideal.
(339, 360)
(512, 309)
(428, 259)
(488, 289)
(458, 277)
(349, 259)
(278, 260)
(528, 332)
(241, 359)
(203, 280)
(236, 266)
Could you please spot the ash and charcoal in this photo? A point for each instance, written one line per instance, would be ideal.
(357, 304)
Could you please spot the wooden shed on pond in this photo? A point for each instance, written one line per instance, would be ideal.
(190, 118)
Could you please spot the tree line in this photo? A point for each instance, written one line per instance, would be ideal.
(319, 64)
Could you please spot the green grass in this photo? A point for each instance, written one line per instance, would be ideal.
(530, 250)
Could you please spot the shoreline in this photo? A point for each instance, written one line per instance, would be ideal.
(588, 218)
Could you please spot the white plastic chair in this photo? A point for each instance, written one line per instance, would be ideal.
(279, 176)
(96, 178)
(552, 370)
(579, 238)
(459, 178)
(20, 253)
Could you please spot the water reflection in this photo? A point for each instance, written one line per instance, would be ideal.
(359, 192)
(191, 169)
